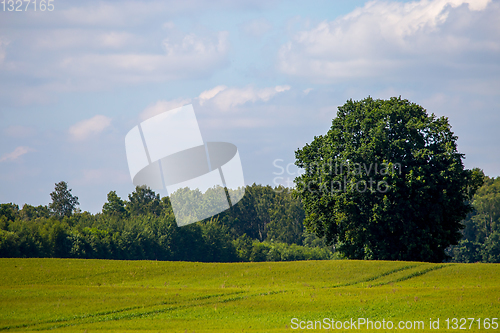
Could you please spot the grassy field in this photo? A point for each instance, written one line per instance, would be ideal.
(148, 296)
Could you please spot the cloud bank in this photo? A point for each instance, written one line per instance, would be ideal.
(384, 38)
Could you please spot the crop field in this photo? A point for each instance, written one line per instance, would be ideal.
(65, 295)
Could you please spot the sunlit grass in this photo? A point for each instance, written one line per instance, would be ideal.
(78, 295)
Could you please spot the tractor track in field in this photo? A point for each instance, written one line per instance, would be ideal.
(390, 272)
(99, 314)
(378, 276)
(119, 314)
(413, 275)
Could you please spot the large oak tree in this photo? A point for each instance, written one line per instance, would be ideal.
(386, 182)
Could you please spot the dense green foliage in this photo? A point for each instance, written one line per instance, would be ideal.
(266, 225)
(67, 295)
(386, 182)
(63, 202)
(481, 235)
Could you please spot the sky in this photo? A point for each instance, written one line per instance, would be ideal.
(265, 75)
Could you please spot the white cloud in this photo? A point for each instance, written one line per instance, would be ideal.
(163, 106)
(192, 57)
(75, 59)
(390, 36)
(85, 128)
(71, 40)
(227, 98)
(129, 13)
(18, 152)
(209, 94)
(105, 13)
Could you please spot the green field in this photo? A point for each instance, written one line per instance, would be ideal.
(139, 296)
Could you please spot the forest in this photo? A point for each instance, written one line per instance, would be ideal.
(266, 225)
(481, 233)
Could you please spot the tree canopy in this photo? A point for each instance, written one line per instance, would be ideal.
(114, 206)
(63, 202)
(143, 200)
(386, 182)
(481, 235)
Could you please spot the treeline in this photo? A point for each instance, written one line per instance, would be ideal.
(481, 235)
(266, 225)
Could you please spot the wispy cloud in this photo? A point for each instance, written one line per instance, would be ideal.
(70, 40)
(192, 56)
(226, 98)
(18, 152)
(85, 128)
(163, 106)
(127, 13)
(77, 59)
(209, 94)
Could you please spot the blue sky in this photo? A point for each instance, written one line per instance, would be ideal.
(266, 76)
